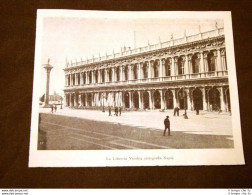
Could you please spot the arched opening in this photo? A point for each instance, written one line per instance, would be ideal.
(78, 78)
(145, 71)
(96, 76)
(90, 77)
(157, 100)
(180, 66)
(168, 67)
(195, 63)
(211, 61)
(146, 100)
(135, 71)
(118, 73)
(89, 99)
(103, 75)
(126, 73)
(84, 78)
(110, 75)
(136, 99)
(197, 99)
(126, 100)
(214, 99)
(155, 68)
(182, 97)
(72, 100)
(73, 75)
(169, 99)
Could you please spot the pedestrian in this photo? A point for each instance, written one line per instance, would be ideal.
(167, 125)
(109, 111)
(197, 109)
(116, 111)
(52, 108)
(120, 111)
(176, 111)
(55, 107)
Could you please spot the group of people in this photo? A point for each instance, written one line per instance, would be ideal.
(53, 108)
(118, 111)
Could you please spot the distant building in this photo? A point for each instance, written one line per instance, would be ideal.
(55, 98)
(188, 72)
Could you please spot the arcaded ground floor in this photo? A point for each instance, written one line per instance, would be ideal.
(70, 129)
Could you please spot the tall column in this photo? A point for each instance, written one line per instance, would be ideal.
(186, 68)
(189, 58)
(105, 75)
(70, 100)
(150, 100)
(162, 99)
(204, 98)
(161, 65)
(121, 73)
(74, 97)
(85, 99)
(219, 60)
(93, 78)
(149, 69)
(202, 66)
(48, 69)
(130, 100)
(175, 66)
(139, 70)
(172, 66)
(99, 76)
(113, 74)
(174, 98)
(79, 100)
(188, 96)
(222, 101)
(205, 62)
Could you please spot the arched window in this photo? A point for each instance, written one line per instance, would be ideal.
(195, 63)
(103, 75)
(168, 67)
(135, 71)
(211, 61)
(155, 68)
(126, 73)
(118, 73)
(145, 71)
(181, 63)
(110, 75)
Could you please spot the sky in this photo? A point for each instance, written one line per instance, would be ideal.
(81, 37)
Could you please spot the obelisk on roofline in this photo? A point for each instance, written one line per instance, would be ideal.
(48, 69)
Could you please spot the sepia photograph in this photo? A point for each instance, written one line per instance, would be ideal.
(134, 89)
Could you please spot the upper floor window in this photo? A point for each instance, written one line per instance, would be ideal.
(145, 71)
(126, 73)
(155, 68)
(181, 63)
(211, 60)
(167, 68)
(195, 63)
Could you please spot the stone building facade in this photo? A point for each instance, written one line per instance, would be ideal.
(190, 72)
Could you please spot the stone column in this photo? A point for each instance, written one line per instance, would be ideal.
(149, 69)
(202, 66)
(172, 67)
(121, 73)
(99, 76)
(204, 98)
(175, 66)
(162, 99)
(188, 96)
(70, 100)
(189, 57)
(93, 78)
(222, 101)
(161, 62)
(79, 100)
(48, 69)
(130, 100)
(205, 62)
(174, 98)
(219, 60)
(186, 68)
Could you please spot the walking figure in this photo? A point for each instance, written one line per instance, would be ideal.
(116, 111)
(120, 111)
(55, 108)
(109, 111)
(52, 108)
(197, 109)
(167, 125)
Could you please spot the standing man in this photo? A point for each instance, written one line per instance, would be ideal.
(167, 125)
(109, 110)
(55, 108)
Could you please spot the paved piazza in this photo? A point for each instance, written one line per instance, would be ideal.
(88, 129)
